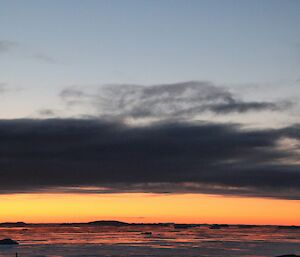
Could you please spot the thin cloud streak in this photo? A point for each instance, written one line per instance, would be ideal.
(184, 100)
(44, 58)
(7, 45)
(11, 46)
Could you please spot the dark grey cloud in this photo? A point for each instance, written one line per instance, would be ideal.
(74, 96)
(85, 155)
(238, 106)
(168, 101)
(7, 45)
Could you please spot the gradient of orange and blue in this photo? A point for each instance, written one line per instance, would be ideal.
(131, 93)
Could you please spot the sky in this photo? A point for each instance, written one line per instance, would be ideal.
(187, 104)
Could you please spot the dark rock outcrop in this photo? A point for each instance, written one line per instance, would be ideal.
(8, 241)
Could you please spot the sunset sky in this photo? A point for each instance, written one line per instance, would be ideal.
(150, 111)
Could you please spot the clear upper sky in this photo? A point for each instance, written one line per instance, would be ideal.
(49, 45)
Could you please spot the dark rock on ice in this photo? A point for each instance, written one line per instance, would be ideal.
(8, 241)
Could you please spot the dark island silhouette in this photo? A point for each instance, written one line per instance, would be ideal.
(13, 224)
(115, 223)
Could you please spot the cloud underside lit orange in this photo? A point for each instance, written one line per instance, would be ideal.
(184, 208)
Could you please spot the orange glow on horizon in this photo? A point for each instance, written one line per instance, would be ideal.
(184, 208)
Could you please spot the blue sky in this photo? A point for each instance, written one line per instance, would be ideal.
(252, 47)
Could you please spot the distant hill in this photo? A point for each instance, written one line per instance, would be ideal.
(108, 223)
(13, 224)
